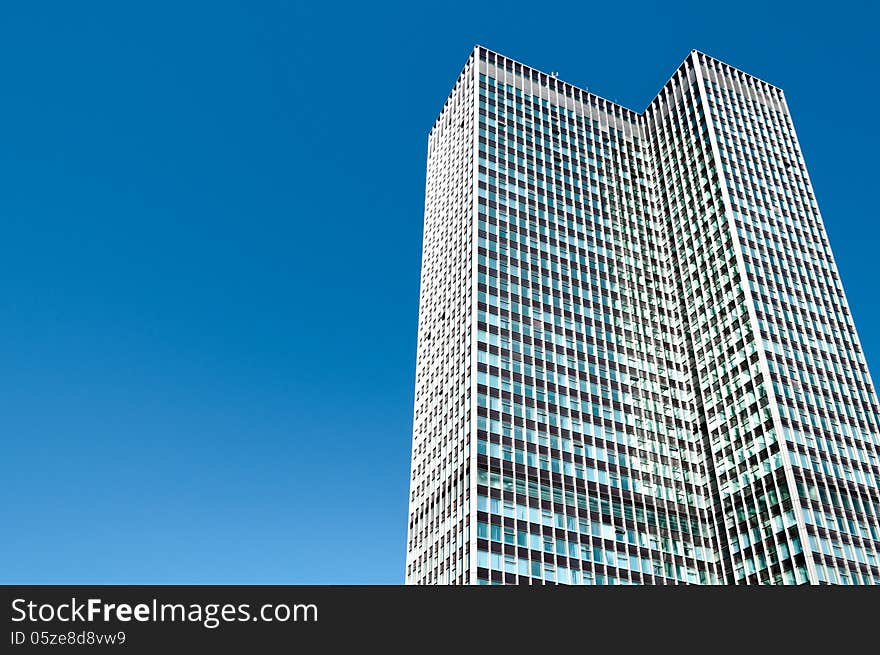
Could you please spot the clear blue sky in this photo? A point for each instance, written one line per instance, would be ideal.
(209, 263)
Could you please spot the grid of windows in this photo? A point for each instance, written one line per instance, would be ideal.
(635, 362)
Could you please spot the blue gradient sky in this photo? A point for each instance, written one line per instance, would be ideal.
(210, 256)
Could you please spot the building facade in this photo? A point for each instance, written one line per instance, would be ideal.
(636, 363)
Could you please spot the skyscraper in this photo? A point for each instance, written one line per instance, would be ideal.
(636, 363)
